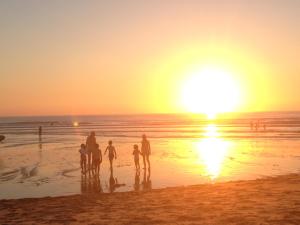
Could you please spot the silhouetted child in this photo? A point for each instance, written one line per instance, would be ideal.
(111, 153)
(83, 153)
(97, 159)
(136, 152)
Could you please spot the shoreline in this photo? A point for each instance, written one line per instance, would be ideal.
(270, 200)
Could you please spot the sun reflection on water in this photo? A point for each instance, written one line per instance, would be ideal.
(212, 151)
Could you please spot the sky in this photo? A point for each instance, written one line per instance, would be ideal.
(119, 57)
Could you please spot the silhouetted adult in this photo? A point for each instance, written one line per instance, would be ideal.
(40, 130)
(146, 151)
(90, 146)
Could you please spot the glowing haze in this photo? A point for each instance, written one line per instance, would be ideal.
(96, 57)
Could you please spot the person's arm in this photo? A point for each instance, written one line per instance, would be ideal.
(115, 153)
(100, 156)
(86, 142)
(105, 150)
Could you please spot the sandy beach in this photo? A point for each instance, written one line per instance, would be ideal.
(273, 200)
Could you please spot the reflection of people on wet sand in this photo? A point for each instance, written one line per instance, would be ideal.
(97, 159)
(146, 151)
(111, 153)
(90, 145)
(97, 185)
(136, 152)
(84, 185)
(147, 184)
(113, 182)
(90, 184)
(137, 181)
(83, 153)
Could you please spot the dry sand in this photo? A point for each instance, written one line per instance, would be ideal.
(265, 201)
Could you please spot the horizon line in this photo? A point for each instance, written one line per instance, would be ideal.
(145, 114)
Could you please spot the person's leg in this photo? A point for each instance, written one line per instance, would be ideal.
(144, 160)
(84, 166)
(110, 161)
(94, 167)
(148, 161)
(89, 160)
(81, 165)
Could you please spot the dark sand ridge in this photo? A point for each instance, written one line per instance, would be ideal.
(264, 201)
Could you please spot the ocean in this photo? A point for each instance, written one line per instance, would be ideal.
(186, 150)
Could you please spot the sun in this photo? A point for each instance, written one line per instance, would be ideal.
(210, 90)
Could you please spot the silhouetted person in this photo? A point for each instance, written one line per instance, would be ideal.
(137, 181)
(83, 154)
(256, 126)
(2, 137)
(40, 143)
(146, 151)
(112, 154)
(265, 127)
(97, 159)
(40, 131)
(90, 145)
(136, 152)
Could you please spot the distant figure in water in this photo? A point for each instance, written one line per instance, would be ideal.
(146, 151)
(97, 159)
(251, 125)
(2, 137)
(265, 127)
(40, 130)
(256, 126)
(136, 152)
(83, 153)
(111, 153)
(90, 145)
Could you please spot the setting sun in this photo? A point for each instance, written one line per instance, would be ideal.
(210, 91)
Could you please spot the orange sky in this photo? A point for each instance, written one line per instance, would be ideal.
(76, 57)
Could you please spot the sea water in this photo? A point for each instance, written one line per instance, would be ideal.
(185, 150)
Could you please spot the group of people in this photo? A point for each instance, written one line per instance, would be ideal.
(256, 125)
(91, 155)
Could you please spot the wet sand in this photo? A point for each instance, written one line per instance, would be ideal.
(264, 201)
